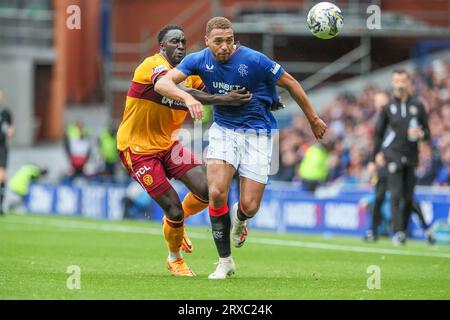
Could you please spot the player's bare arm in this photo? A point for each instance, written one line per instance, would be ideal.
(296, 91)
(233, 98)
(167, 86)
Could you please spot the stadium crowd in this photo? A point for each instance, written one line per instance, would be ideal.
(349, 142)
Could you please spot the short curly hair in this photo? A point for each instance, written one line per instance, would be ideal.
(218, 23)
(162, 33)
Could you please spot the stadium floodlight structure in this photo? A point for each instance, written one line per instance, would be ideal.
(27, 32)
(269, 26)
(26, 45)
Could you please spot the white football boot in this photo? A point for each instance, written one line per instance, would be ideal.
(239, 231)
(399, 239)
(225, 268)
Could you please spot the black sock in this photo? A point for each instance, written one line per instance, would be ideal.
(241, 216)
(221, 226)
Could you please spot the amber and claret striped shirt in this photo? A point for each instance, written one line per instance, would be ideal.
(150, 121)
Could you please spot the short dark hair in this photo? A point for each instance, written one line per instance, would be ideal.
(162, 33)
(401, 71)
(218, 23)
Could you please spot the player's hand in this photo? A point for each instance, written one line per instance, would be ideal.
(195, 108)
(278, 106)
(318, 127)
(238, 97)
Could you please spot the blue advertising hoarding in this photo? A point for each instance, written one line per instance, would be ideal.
(283, 209)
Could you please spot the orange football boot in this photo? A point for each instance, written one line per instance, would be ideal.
(180, 268)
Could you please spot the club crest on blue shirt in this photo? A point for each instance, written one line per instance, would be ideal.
(243, 70)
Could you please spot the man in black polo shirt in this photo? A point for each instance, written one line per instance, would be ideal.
(401, 124)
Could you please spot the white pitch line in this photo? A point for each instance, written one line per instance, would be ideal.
(90, 226)
(268, 241)
(337, 247)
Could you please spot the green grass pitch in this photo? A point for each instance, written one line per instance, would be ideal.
(126, 260)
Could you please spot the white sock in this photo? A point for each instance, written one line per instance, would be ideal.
(235, 218)
(226, 260)
(174, 256)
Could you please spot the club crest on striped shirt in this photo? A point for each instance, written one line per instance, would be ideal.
(148, 179)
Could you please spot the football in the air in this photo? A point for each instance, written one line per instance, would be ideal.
(325, 20)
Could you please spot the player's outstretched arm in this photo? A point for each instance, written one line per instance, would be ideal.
(296, 91)
(167, 86)
(232, 98)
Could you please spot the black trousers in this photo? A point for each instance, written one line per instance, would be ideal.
(380, 194)
(3, 155)
(401, 182)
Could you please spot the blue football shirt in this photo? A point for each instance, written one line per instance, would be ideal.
(246, 68)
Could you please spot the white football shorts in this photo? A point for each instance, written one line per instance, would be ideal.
(248, 152)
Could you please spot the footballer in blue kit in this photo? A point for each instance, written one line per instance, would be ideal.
(240, 137)
(246, 68)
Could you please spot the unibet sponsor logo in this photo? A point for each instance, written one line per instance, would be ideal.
(225, 86)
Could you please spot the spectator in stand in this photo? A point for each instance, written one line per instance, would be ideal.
(77, 145)
(313, 169)
(21, 181)
(288, 164)
(108, 151)
(443, 175)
